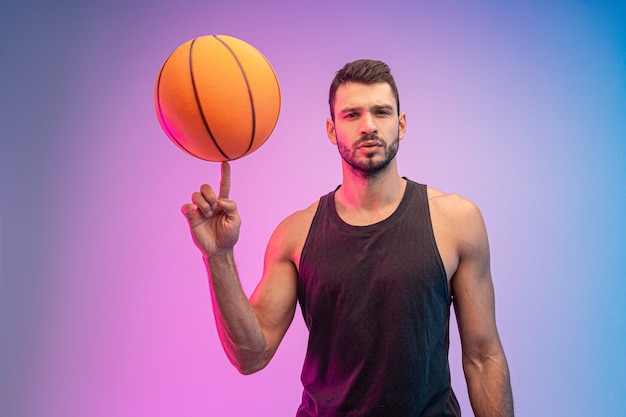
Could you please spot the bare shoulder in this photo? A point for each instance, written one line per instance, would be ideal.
(451, 204)
(457, 219)
(297, 223)
(290, 235)
(453, 208)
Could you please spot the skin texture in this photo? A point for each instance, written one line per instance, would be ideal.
(366, 130)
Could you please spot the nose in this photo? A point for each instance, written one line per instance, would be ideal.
(368, 126)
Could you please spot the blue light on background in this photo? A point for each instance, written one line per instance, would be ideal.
(104, 304)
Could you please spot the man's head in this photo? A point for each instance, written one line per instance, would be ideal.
(365, 122)
(364, 71)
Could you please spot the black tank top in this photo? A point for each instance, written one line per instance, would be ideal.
(376, 302)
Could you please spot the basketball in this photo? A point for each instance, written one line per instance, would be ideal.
(217, 98)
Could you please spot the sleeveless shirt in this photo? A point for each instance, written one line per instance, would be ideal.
(376, 303)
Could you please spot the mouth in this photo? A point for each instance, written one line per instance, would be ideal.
(369, 143)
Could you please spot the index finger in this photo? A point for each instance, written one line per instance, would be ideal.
(225, 181)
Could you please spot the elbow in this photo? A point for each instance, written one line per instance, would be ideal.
(248, 370)
(480, 363)
(248, 362)
(247, 357)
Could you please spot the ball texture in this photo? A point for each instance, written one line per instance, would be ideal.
(217, 98)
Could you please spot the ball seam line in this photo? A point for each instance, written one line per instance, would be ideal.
(197, 97)
(245, 77)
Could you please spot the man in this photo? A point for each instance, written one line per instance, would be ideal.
(375, 265)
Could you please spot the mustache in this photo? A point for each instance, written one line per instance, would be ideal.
(368, 138)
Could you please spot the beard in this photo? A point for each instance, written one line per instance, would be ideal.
(369, 167)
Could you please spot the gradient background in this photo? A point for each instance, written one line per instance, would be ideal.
(104, 302)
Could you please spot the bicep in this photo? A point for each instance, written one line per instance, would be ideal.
(274, 299)
(473, 290)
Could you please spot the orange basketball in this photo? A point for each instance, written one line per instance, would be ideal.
(217, 98)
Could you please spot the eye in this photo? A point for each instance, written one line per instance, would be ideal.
(352, 115)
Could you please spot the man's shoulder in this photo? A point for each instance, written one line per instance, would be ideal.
(292, 231)
(453, 208)
(289, 236)
(450, 200)
(301, 218)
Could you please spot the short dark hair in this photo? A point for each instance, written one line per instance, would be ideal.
(364, 71)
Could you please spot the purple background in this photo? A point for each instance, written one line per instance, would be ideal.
(104, 303)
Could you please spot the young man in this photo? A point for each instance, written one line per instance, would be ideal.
(375, 265)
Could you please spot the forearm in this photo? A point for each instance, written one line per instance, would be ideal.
(489, 386)
(237, 324)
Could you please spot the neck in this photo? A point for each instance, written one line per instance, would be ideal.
(364, 200)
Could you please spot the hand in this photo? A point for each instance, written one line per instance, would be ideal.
(214, 220)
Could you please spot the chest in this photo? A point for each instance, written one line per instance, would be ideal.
(370, 269)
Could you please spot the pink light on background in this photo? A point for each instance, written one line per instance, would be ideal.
(104, 299)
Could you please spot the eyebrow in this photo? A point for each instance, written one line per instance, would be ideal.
(383, 107)
(375, 107)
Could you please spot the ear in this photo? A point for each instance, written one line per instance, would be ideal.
(402, 125)
(330, 131)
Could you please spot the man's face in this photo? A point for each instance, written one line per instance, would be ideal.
(367, 128)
